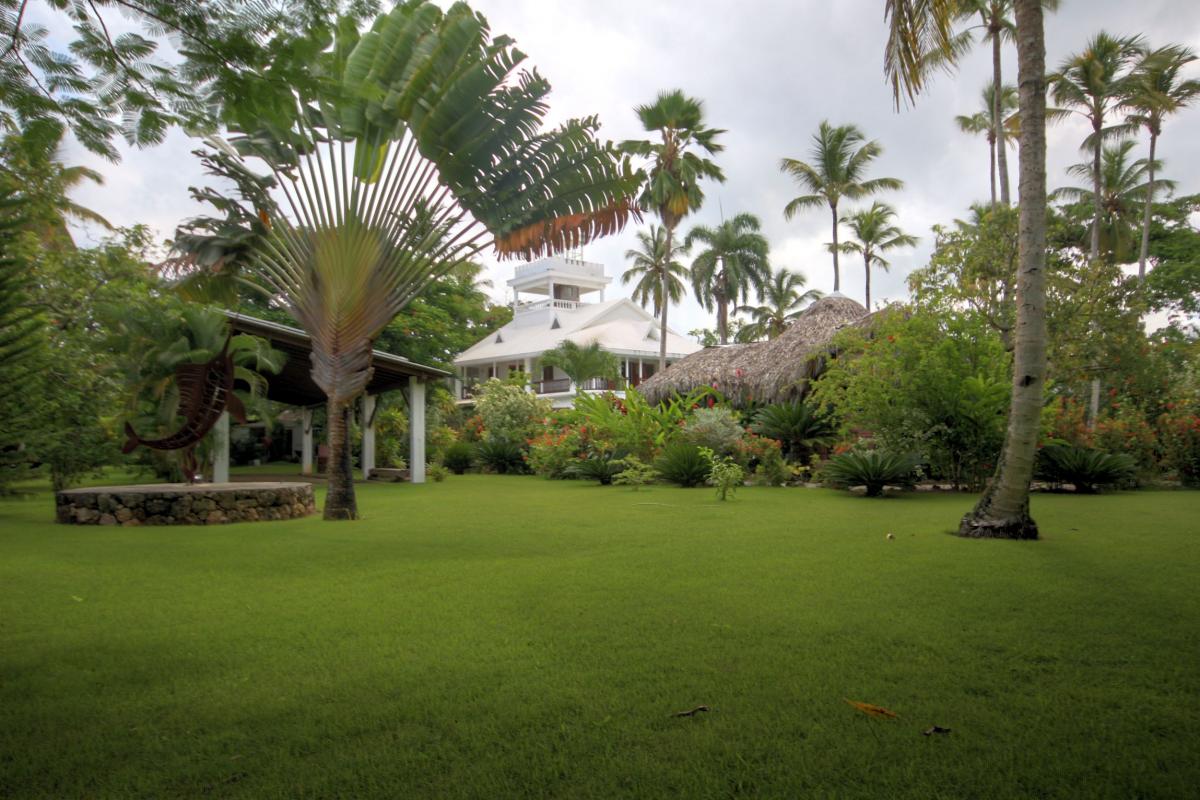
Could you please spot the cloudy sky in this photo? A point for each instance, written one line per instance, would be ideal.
(768, 72)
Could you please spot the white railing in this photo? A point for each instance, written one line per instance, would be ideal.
(564, 305)
(547, 264)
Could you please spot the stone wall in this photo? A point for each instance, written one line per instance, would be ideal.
(183, 504)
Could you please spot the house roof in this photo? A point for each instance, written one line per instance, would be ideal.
(619, 325)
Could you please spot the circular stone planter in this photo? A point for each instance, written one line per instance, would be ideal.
(184, 504)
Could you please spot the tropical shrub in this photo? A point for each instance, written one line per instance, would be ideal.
(601, 467)
(1085, 468)
(553, 452)
(436, 473)
(683, 464)
(509, 412)
(715, 428)
(799, 426)
(1124, 429)
(724, 474)
(500, 456)
(873, 469)
(772, 470)
(458, 457)
(391, 428)
(636, 474)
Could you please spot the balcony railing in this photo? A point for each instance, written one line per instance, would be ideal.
(560, 385)
(543, 265)
(564, 305)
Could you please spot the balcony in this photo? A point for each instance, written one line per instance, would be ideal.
(562, 305)
(578, 266)
(561, 385)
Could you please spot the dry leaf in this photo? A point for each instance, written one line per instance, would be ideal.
(935, 729)
(873, 711)
(691, 713)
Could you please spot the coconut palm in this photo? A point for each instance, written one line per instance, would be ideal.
(733, 261)
(583, 362)
(875, 235)
(1156, 90)
(676, 167)
(783, 297)
(1124, 187)
(654, 269)
(840, 158)
(917, 29)
(416, 154)
(1094, 83)
(39, 153)
(981, 122)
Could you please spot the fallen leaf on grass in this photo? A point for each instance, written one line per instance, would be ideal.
(935, 729)
(691, 713)
(873, 711)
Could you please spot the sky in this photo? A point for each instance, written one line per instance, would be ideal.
(768, 72)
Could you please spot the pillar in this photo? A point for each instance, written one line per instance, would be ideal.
(306, 442)
(221, 449)
(368, 435)
(416, 429)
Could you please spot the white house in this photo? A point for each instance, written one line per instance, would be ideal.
(620, 326)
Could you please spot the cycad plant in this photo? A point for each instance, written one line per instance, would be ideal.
(424, 147)
(872, 469)
(799, 427)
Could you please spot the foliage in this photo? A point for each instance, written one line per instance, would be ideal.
(601, 466)
(391, 432)
(1174, 283)
(875, 234)
(437, 473)
(500, 456)
(636, 474)
(772, 470)
(632, 424)
(782, 301)
(1085, 468)
(715, 428)
(873, 469)
(1179, 434)
(1125, 428)
(734, 261)
(458, 457)
(509, 412)
(583, 362)
(798, 425)
(724, 474)
(652, 268)
(552, 452)
(683, 464)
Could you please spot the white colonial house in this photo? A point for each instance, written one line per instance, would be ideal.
(558, 312)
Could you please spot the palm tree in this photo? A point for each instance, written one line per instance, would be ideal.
(1124, 187)
(1093, 83)
(1155, 92)
(875, 235)
(981, 122)
(734, 261)
(840, 156)
(917, 29)
(38, 155)
(783, 297)
(654, 269)
(583, 362)
(414, 156)
(672, 187)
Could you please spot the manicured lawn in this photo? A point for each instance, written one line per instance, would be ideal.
(497, 637)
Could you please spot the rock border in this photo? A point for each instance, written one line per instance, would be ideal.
(184, 504)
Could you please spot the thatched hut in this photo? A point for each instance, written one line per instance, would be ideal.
(763, 372)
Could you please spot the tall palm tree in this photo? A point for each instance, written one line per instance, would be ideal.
(783, 298)
(677, 166)
(981, 122)
(840, 158)
(655, 269)
(733, 261)
(1156, 90)
(583, 362)
(1094, 83)
(917, 29)
(413, 157)
(1124, 187)
(39, 155)
(875, 234)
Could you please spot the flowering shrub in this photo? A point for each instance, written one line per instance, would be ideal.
(509, 412)
(1125, 430)
(1179, 437)
(553, 451)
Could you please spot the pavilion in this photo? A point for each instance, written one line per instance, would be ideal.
(294, 386)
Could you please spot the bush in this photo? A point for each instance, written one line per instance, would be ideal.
(724, 474)
(636, 474)
(772, 470)
(602, 467)
(500, 456)
(552, 453)
(715, 428)
(437, 473)
(1087, 469)
(1179, 435)
(509, 412)
(799, 427)
(873, 469)
(459, 457)
(683, 464)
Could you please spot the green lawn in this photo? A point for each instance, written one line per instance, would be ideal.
(498, 637)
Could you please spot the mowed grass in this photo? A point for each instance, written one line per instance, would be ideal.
(495, 637)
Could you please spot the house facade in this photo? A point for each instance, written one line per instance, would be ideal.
(560, 298)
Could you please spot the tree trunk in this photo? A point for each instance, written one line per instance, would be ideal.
(340, 502)
(998, 116)
(1097, 194)
(664, 286)
(1094, 405)
(837, 283)
(722, 319)
(1145, 251)
(867, 266)
(992, 166)
(1003, 510)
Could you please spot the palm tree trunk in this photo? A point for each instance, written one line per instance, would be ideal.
(664, 285)
(1097, 195)
(1145, 251)
(997, 116)
(722, 319)
(867, 266)
(837, 283)
(1003, 510)
(992, 166)
(340, 502)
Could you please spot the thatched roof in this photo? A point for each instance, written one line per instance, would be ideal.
(763, 372)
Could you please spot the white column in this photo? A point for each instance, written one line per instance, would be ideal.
(368, 434)
(306, 442)
(221, 449)
(416, 429)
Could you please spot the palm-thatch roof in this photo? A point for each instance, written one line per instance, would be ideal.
(763, 372)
